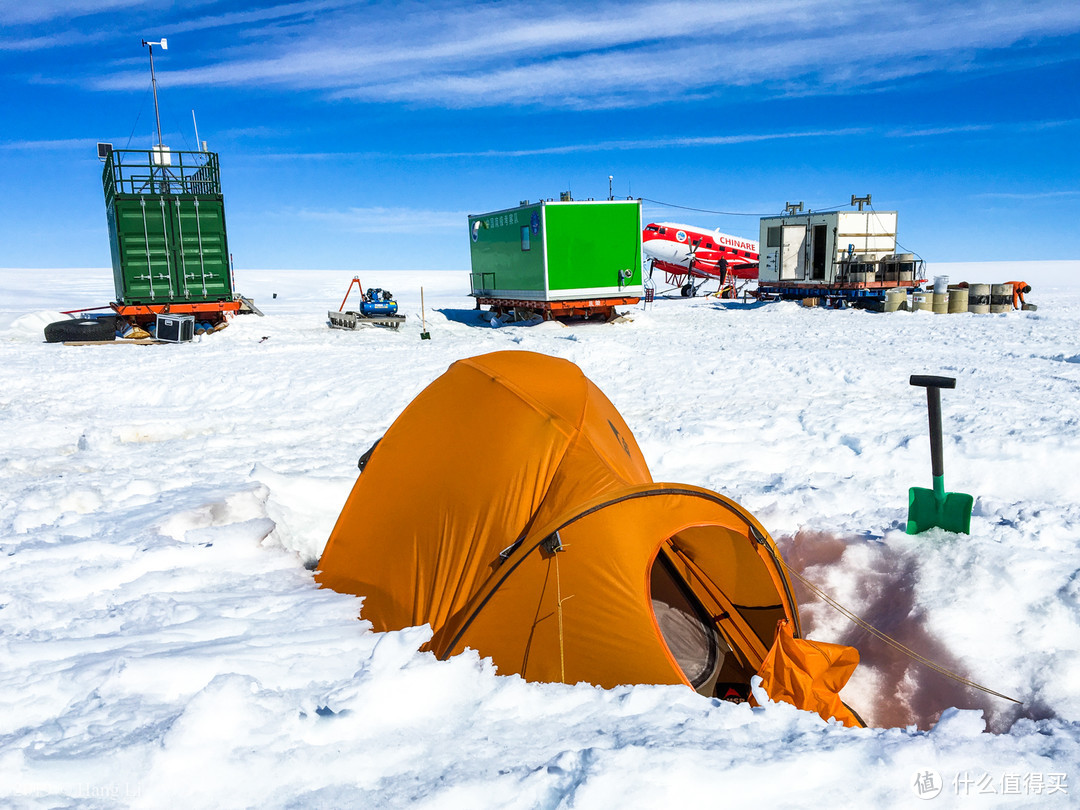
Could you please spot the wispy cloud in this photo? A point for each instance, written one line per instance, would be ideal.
(625, 145)
(86, 21)
(18, 12)
(300, 11)
(1033, 195)
(996, 127)
(40, 42)
(385, 220)
(933, 131)
(63, 144)
(572, 148)
(637, 53)
(646, 144)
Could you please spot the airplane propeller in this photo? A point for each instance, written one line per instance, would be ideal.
(694, 245)
(689, 290)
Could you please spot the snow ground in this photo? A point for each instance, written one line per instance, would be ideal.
(164, 645)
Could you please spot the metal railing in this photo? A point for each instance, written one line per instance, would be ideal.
(482, 282)
(149, 171)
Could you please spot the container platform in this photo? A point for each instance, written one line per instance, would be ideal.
(853, 292)
(552, 310)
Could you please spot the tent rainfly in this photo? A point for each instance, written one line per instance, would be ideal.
(534, 534)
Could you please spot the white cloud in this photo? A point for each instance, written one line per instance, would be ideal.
(625, 145)
(633, 144)
(302, 9)
(648, 143)
(1035, 195)
(460, 54)
(66, 144)
(386, 220)
(932, 131)
(21, 12)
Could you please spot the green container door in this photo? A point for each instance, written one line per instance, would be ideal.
(203, 260)
(589, 244)
(169, 249)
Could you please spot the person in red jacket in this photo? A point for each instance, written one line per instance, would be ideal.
(1019, 288)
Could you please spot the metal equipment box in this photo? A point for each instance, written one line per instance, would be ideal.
(820, 247)
(175, 328)
(563, 251)
(166, 227)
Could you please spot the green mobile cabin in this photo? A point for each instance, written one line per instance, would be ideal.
(565, 257)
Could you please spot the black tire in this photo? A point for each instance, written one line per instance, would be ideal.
(89, 329)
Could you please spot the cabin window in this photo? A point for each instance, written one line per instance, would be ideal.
(772, 237)
(708, 244)
(525, 237)
(663, 230)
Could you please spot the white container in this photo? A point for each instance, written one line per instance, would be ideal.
(941, 284)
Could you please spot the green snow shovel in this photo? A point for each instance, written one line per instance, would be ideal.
(928, 508)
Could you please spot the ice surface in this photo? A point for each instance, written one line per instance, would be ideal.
(164, 645)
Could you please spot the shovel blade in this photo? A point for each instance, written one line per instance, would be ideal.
(927, 511)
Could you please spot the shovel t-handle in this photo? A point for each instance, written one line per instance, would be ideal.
(933, 386)
(930, 381)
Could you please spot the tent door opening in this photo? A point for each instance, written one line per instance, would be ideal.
(687, 629)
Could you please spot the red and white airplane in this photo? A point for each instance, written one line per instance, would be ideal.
(684, 253)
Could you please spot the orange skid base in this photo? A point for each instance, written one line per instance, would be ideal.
(209, 310)
(551, 310)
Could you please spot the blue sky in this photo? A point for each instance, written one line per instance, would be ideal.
(359, 136)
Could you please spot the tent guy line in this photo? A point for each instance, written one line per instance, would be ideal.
(892, 642)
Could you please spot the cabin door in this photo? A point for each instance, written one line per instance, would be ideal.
(818, 249)
(793, 253)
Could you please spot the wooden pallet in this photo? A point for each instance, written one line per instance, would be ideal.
(116, 342)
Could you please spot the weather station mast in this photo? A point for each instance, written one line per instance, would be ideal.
(164, 43)
(167, 235)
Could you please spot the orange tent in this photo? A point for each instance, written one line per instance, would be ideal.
(510, 508)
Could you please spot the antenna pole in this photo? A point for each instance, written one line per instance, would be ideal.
(198, 143)
(157, 112)
(153, 81)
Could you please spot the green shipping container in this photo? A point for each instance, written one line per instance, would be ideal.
(558, 251)
(166, 227)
